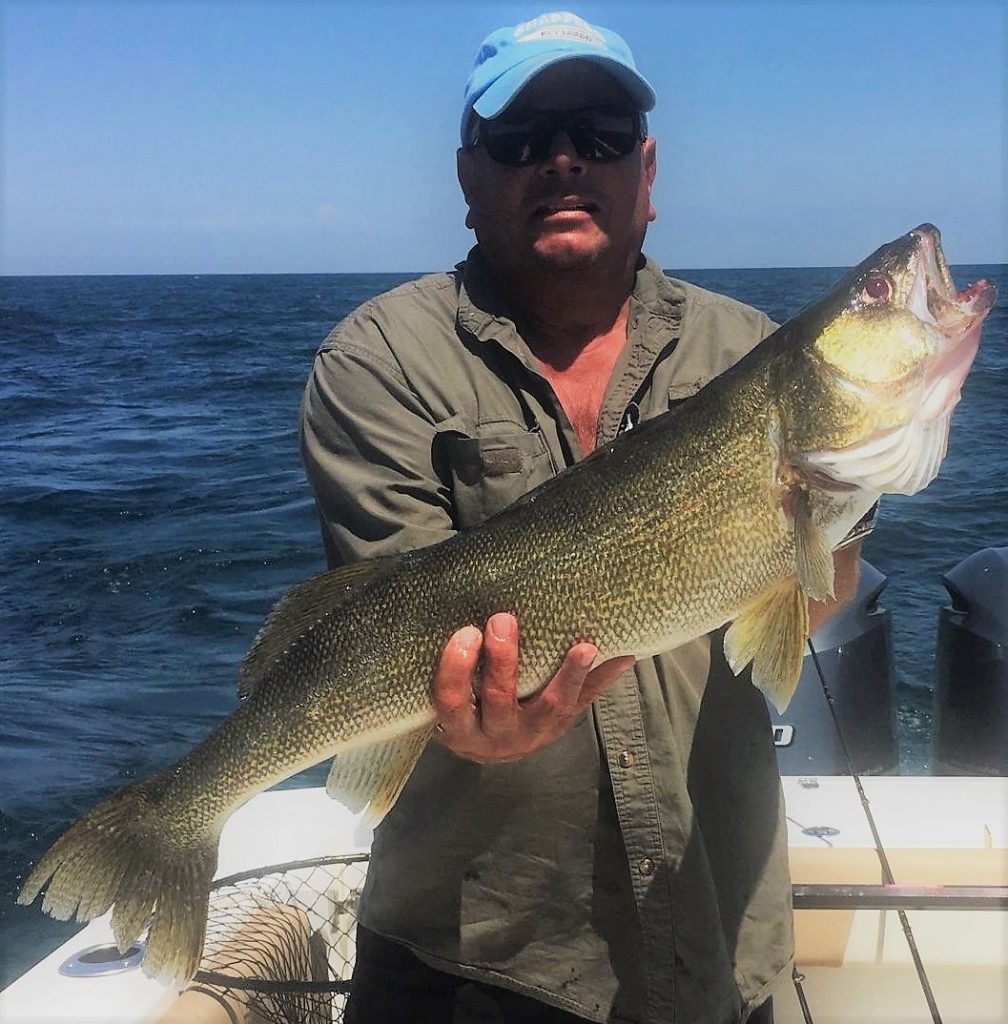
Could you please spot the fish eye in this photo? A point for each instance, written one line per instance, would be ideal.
(877, 288)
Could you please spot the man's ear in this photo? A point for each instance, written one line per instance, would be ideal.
(465, 169)
(650, 157)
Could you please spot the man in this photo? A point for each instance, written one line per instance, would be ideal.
(615, 847)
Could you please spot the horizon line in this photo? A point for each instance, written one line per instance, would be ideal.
(420, 273)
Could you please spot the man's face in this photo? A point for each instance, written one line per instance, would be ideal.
(564, 212)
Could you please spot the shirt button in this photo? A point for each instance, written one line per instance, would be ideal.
(646, 867)
(626, 759)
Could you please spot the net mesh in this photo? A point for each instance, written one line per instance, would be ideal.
(280, 941)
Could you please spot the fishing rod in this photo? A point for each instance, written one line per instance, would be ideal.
(797, 978)
(887, 875)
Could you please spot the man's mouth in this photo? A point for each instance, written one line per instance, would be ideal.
(561, 207)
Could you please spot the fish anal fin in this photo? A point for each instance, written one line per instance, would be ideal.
(771, 632)
(373, 777)
(297, 610)
(813, 557)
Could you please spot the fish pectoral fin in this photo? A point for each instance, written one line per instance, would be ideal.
(813, 558)
(771, 632)
(373, 777)
(298, 610)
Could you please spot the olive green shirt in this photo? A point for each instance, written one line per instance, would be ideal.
(635, 869)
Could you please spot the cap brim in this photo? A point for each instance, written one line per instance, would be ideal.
(500, 94)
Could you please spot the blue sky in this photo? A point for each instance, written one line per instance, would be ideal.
(247, 137)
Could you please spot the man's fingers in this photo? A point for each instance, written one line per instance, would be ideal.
(498, 698)
(575, 685)
(561, 696)
(603, 676)
(452, 690)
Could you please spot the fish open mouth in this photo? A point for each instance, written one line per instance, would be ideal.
(957, 315)
(934, 298)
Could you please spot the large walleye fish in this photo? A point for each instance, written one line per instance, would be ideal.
(727, 508)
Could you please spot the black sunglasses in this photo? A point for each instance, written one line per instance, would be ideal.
(598, 134)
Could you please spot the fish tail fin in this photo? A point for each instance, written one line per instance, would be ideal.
(116, 856)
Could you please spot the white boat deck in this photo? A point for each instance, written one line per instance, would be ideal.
(936, 831)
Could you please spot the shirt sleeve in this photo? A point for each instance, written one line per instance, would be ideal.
(369, 448)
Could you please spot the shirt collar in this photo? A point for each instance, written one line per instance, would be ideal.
(482, 307)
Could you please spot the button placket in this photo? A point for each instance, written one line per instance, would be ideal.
(622, 728)
(621, 723)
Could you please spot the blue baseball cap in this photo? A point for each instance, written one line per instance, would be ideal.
(511, 57)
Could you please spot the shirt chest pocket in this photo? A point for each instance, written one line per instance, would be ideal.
(493, 469)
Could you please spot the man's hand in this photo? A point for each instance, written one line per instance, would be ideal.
(496, 726)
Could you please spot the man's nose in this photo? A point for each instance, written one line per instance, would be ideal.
(563, 157)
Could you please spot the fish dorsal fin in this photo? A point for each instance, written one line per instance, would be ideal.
(813, 558)
(297, 610)
(771, 632)
(374, 776)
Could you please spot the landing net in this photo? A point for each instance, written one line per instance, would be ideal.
(281, 941)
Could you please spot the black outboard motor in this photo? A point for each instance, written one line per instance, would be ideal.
(971, 662)
(855, 652)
